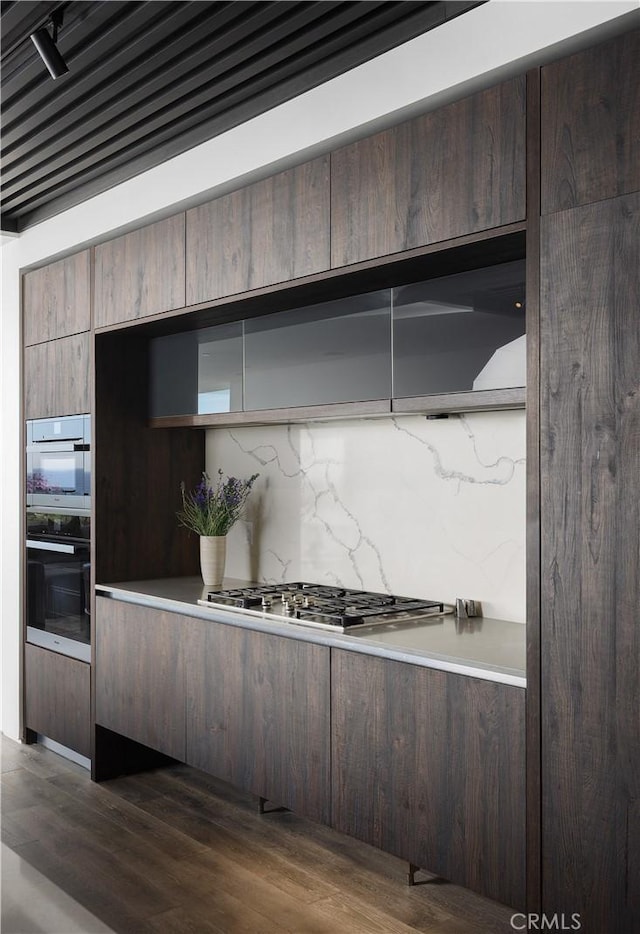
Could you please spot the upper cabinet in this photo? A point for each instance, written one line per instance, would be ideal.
(141, 273)
(272, 231)
(591, 125)
(454, 171)
(443, 343)
(57, 299)
(57, 377)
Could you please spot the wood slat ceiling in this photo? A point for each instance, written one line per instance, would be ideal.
(148, 80)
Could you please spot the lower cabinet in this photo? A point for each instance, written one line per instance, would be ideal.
(258, 714)
(140, 674)
(427, 765)
(250, 708)
(430, 766)
(58, 698)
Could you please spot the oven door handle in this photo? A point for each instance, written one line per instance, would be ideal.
(52, 546)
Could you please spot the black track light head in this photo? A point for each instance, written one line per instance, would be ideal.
(46, 46)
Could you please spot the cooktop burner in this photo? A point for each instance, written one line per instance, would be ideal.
(324, 606)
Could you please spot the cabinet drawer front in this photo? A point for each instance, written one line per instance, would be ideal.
(57, 698)
(455, 171)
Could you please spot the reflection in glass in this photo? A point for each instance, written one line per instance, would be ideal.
(197, 371)
(338, 351)
(220, 369)
(461, 332)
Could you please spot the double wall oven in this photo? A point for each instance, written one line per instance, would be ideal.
(58, 535)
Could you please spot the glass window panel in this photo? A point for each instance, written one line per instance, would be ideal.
(220, 369)
(197, 371)
(173, 376)
(460, 333)
(337, 351)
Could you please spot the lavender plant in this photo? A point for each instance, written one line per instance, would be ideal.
(212, 510)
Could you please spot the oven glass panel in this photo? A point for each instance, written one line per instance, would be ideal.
(57, 472)
(58, 576)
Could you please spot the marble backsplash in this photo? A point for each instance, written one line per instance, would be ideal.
(406, 505)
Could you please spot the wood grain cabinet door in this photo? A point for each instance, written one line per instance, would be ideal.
(141, 273)
(57, 698)
(56, 299)
(430, 766)
(57, 377)
(272, 231)
(258, 715)
(140, 674)
(591, 124)
(454, 171)
(590, 538)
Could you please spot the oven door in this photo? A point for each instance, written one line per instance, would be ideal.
(58, 475)
(58, 587)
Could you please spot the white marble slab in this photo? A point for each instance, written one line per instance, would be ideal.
(406, 505)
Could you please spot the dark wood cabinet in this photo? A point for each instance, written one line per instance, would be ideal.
(57, 698)
(141, 273)
(57, 377)
(590, 529)
(430, 766)
(56, 299)
(591, 124)
(268, 232)
(426, 765)
(250, 708)
(138, 471)
(454, 171)
(140, 674)
(258, 714)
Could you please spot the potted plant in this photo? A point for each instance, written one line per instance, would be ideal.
(210, 511)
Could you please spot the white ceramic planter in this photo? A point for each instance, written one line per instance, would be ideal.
(213, 554)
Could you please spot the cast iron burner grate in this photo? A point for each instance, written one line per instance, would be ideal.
(324, 606)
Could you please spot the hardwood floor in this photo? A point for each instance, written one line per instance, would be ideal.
(173, 851)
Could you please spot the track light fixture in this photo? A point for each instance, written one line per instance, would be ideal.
(46, 46)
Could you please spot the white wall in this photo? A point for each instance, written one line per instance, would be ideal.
(474, 50)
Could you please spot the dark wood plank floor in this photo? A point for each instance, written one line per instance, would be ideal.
(173, 851)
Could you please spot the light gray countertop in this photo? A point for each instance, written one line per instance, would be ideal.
(480, 647)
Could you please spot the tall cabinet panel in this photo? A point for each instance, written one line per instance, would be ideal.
(56, 299)
(591, 125)
(141, 273)
(272, 231)
(590, 527)
(454, 171)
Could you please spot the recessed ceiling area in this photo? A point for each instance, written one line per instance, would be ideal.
(148, 80)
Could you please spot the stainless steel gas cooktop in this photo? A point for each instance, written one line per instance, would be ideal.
(325, 607)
